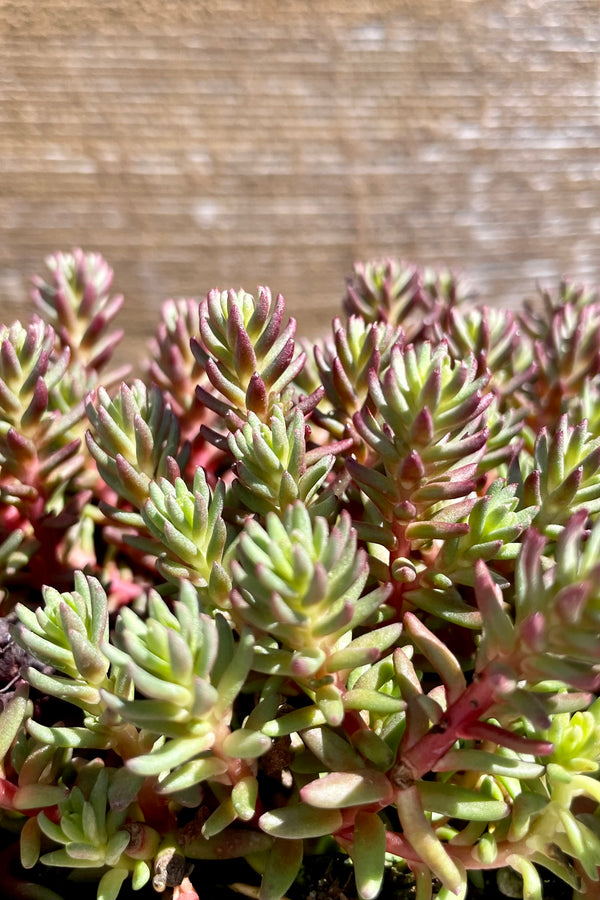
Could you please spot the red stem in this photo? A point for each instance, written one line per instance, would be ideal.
(398, 845)
(416, 761)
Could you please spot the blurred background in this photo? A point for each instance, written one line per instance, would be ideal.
(233, 143)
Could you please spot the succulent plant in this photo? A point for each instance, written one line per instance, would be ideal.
(262, 608)
(76, 301)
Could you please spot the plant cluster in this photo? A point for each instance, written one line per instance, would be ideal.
(266, 601)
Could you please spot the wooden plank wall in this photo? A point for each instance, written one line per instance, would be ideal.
(235, 143)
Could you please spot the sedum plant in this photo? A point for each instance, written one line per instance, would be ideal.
(268, 604)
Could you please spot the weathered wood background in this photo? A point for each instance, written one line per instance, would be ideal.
(234, 143)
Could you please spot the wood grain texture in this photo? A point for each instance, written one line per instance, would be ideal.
(238, 143)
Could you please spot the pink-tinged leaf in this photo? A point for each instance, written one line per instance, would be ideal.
(185, 891)
(432, 389)
(282, 341)
(9, 361)
(570, 602)
(305, 663)
(307, 405)
(532, 495)
(262, 305)
(244, 359)
(436, 491)
(273, 325)
(38, 796)
(423, 429)
(38, 404)
(532, 633)
(343, 391)
(411, 471)
(339, 790)
(329, 700)
(19, 445)
(576, 673)
(312, 456)
(439, 655)
(408, 680)
(418, 831)
(223, 384)
(279, 363)
(435, 530)
(7, 794)
(300, 821)
(498, 629)
(257, 398)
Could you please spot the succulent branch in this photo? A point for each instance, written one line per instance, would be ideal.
(344, 364)
(493, 336)
(274, 468)
(189, 533)
(388, 291)
(247, 357)
(76, 301)
(134, 438)
(281, 599)
(566, 349)
(40, 449)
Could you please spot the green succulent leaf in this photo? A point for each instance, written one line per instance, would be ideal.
(300, 821)
(77, 303)
(368, 854)
(282, 867)
(338, 790)
(189, 533)
(462, 803)
(420, 833)
(301, 582)
(132, 438)
(247, 357)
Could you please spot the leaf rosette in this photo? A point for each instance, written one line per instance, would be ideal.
(344, 363)
(274, 468)
(38, 453)
(425, 424)
(247, 357)
(187, 670)
(385, 290)
(66, 634)
(299, 585)
(188, 534)
(76, 301)
(134, 438)
(95, 831)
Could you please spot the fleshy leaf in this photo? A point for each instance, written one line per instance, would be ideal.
(368, 854)
(338, 790)
(300, 821)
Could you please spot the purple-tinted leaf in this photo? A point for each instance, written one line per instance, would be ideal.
(339, 790)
